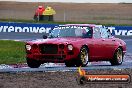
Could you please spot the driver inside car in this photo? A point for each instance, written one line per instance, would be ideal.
(86, 33)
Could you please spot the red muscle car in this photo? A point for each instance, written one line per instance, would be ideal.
(76, 46)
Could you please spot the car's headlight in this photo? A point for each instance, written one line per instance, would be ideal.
(70, 47)
(28, 47)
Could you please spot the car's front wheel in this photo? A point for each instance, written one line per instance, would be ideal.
(83, 57)
(118, 57)
(33, 63)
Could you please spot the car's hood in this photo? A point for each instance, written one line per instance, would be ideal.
(56, 40)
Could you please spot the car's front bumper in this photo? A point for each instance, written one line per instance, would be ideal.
(50, 57)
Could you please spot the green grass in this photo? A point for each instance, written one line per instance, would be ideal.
(50, 22)
(12, 52)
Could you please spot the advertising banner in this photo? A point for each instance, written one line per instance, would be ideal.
(11, 30)
(26, 27)
(24, 30)
(121, 30)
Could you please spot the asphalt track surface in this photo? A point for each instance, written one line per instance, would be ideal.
(46, 67)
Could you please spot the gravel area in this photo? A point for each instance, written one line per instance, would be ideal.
(57, 79)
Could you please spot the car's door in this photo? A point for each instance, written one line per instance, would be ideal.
(107, 43)
(96, 50)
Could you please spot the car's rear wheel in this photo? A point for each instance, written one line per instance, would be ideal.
(118, 57)
(33, 63)
(83, 57)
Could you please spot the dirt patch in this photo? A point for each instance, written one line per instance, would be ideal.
(57, 79)
(84, 12)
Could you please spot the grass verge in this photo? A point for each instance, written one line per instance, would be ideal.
(11, 52)
(50, 22)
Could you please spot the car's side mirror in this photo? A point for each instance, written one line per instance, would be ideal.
(44, 37)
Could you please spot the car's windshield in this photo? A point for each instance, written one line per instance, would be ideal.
(85, 32)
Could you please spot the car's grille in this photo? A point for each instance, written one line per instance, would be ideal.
(49, 48)
(51, 57)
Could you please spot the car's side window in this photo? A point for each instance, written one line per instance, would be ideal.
(96, 32)
(104, 33)
(109, 34)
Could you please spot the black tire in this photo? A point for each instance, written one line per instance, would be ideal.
(118, 57)
(83, 57)
(33, 63)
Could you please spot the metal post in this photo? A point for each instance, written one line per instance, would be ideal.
(64, 16)
(38, 12)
